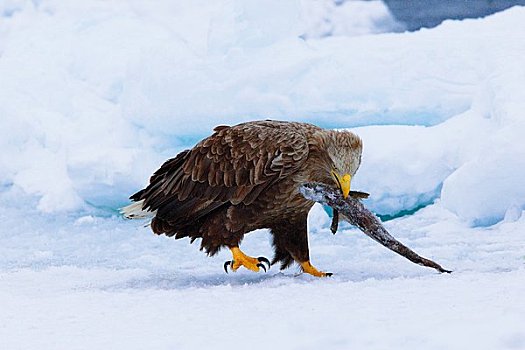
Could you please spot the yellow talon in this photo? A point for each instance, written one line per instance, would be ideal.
(308, 268)
(241, 259)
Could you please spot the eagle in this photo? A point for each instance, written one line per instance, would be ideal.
(247, 177)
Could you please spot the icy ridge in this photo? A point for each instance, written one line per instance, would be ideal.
(82, 129)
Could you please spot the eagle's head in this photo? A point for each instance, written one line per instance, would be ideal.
(344, 150)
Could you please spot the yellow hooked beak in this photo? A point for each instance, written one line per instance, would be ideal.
(343, 182)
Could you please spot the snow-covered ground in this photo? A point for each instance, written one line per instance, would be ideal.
(98, 283)
(94, 95)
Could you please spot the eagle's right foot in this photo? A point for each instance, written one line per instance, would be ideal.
(241, 259)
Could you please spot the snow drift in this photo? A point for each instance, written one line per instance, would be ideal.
(95, 95)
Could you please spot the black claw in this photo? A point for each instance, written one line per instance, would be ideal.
(261, 266)
(226, 264)
(262, 259)
(328, 274)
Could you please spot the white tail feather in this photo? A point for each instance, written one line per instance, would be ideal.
(135, 211)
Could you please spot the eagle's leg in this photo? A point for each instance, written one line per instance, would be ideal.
(241, 259)
(290, 240)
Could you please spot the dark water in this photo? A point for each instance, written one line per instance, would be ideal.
(416, 14)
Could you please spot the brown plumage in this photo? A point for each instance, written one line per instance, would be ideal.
(246, 177)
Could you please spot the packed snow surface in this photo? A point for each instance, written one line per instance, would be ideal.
(95, 283)
(95, 95)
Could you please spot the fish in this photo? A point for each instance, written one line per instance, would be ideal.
(335, 213)
(353, 210)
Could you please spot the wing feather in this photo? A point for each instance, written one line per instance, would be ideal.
(234, 164)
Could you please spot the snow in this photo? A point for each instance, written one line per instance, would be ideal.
(346, 18)
(99, 123)
(98, 282)
(95, 95)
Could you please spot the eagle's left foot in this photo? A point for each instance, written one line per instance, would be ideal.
(308, 268)
(241, 259)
